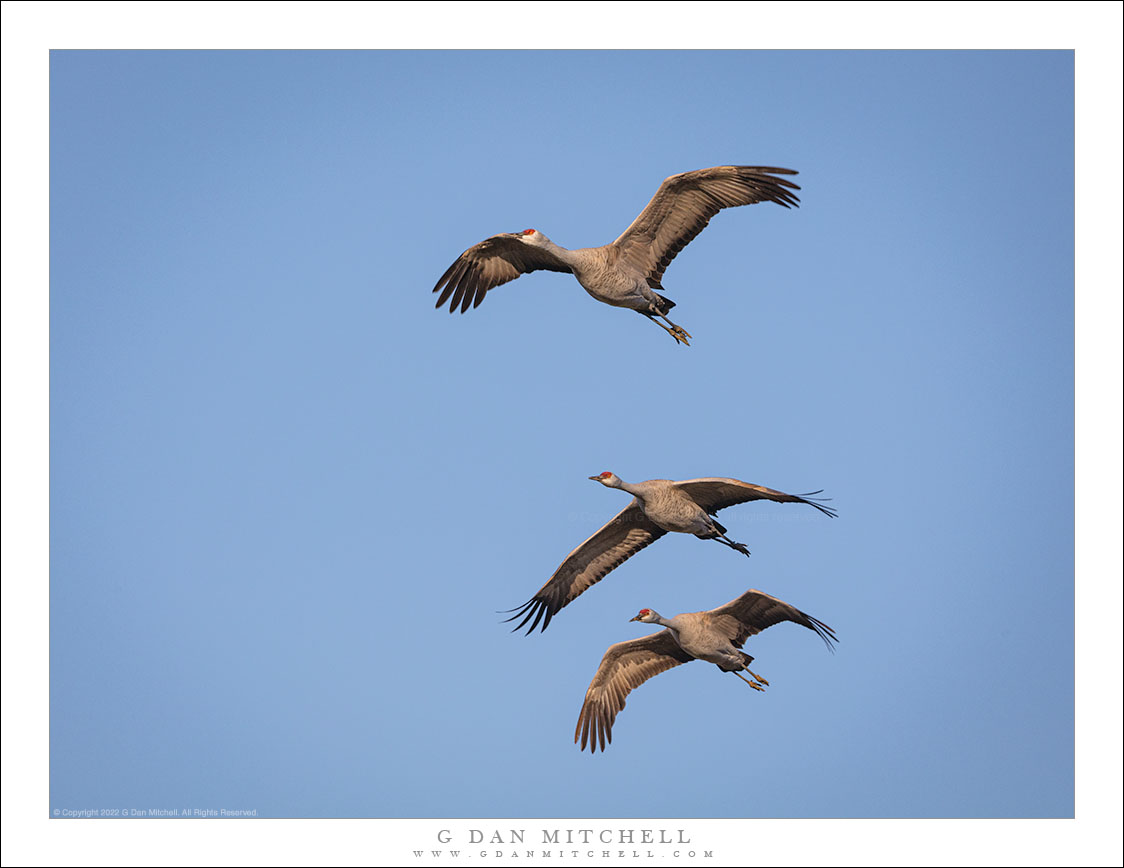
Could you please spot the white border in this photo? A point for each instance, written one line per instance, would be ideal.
(31, 29)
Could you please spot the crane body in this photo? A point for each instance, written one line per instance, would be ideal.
(627, 272)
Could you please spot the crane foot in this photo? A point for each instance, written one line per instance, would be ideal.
(679, 335)
(736, 546)
(752, 684)
(757, 677)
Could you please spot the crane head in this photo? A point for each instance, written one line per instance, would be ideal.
(647, 616)
(607, 478)
(533, 237)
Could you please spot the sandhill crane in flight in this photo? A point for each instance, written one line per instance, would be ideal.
(715, 636)
(626, 273)
(658, 506)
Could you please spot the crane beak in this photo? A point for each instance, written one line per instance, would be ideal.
(594, 478)
(637, 618)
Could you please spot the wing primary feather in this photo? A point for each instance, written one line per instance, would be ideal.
(462, 284)
(450, 279)
(471, 285)
(533, 608)
(824, 632)
(481, 291)
(818, 503)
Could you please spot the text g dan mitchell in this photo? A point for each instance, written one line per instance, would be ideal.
(565, 836)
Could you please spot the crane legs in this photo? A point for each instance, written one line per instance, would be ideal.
(736, 546)
(678, 332)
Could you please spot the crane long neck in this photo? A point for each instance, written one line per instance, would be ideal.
(634, 490)
(569, 257)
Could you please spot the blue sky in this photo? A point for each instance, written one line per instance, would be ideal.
(288, 498)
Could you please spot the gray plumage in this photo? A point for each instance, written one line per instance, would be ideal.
(627, 272)
(715, 636)
(658, 506)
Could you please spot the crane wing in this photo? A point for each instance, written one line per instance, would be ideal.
(628, 532)
(684, 204)
(715, 493)
(624, 667)
(755, 611)
(486, 265)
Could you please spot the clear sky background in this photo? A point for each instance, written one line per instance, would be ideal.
(288, 497)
